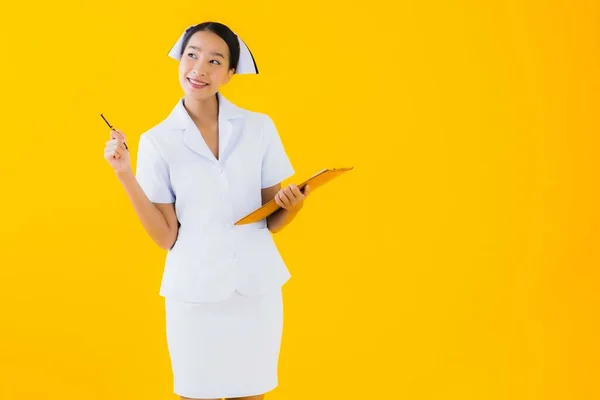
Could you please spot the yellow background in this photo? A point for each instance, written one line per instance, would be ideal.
(459, 260)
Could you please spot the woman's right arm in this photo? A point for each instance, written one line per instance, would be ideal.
(158, 219)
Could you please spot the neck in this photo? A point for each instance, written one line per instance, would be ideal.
(203, 110)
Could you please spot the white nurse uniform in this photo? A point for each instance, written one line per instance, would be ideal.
(221, 282)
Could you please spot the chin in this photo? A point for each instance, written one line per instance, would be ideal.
(199, 95)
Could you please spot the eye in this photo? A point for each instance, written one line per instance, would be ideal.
(218, 63)
(191, 55)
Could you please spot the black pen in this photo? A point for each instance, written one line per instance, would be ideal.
(110, 126)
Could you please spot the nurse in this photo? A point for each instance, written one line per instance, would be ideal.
(203, 167)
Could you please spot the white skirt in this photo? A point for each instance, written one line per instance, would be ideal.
(225, 349)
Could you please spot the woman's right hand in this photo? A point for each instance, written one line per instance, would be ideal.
(116, 152)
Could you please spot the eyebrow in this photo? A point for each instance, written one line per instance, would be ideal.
(214, 53)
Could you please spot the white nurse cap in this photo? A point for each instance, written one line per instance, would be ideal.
(246, 63)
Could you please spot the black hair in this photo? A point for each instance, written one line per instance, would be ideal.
(223, 32)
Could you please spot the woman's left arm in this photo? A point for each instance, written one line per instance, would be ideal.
(290, 199)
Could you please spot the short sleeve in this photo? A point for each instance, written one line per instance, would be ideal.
(276, 165)
(152, 173)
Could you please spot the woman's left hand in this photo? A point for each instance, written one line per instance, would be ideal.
(291, 198)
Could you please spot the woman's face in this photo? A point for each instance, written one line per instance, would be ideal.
(204, 65)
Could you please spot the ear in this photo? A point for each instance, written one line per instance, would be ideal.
(230, 74)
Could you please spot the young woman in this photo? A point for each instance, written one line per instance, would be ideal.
(202, 168)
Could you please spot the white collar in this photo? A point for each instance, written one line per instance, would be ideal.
(180, 120)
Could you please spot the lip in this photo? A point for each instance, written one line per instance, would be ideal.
(196, 84)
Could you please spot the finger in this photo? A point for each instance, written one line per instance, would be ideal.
(278, 201)
(285, 199)
(121, 137)
(295, 191)
(288, 192)
(116, 143)
(292, 196)
(112, 145)
(306, 190)
(113, 152)
(117, 152)
(120, 133)
(110, 148)
(111, 155)
(117, 134)
(122, 147)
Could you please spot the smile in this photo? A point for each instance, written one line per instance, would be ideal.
(197, 84)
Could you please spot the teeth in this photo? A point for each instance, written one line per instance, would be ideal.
(198, 83)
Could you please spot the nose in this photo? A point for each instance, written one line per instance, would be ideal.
(198, 70)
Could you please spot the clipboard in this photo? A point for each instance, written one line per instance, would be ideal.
(315, 181)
